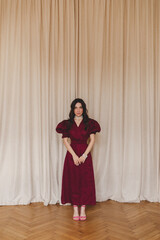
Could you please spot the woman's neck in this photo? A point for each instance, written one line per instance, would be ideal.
(78, 117)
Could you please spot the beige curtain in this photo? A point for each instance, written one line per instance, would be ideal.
(104, 51)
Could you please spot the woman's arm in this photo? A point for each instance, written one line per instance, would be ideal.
(88, 149)
(68, 146)
(91, 143)
(70, 149)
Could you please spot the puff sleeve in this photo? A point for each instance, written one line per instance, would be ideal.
(94, 126)
(62, 128)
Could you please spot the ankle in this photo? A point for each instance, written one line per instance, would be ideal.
(75, 207)
(75, 210)
(83, 210)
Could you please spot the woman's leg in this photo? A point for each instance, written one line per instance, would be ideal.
(75, 213)
(83, 214)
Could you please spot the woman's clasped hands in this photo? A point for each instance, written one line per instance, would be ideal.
(78, 160)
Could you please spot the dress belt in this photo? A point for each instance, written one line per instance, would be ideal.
(78, 142)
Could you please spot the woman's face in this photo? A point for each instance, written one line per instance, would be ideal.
(78, 110)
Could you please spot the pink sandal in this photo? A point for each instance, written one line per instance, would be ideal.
(82, 218)
(76, 218)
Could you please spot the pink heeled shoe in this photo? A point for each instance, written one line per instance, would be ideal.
(76, 218)
(82, 218)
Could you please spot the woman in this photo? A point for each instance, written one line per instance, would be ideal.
(78, 185)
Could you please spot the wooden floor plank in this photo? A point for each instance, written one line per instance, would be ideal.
(109, 220)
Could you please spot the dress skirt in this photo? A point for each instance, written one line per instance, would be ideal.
(78, 184)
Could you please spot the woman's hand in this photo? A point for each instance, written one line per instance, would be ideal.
(76, 160)
(82, 159)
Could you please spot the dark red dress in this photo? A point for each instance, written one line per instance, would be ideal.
(78, 185)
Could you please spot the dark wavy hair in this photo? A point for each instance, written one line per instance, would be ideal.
(72, 115)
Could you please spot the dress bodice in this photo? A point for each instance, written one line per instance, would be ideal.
(78, 133)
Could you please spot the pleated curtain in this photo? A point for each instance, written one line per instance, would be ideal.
(106, 52)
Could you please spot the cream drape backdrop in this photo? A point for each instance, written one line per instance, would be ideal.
(104, 51)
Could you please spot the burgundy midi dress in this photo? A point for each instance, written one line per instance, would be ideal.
(78, 183)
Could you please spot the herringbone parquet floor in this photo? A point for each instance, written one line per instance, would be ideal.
(108, 220)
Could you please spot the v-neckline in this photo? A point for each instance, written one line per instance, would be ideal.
(79, 124)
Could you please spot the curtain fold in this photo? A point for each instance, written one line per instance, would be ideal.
(103, 51)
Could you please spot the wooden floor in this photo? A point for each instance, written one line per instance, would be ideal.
(108, 220)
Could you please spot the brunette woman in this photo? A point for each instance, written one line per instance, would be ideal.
(78, 184)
